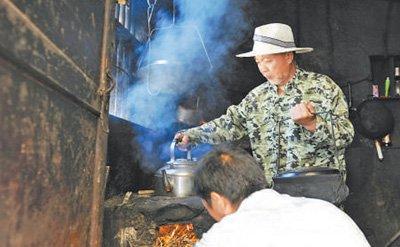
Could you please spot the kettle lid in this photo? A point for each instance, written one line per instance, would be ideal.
(180, 162)
(178, 170)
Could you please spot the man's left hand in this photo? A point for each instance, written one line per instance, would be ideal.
(304, 114)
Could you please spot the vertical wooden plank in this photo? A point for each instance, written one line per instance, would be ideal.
(102, 132)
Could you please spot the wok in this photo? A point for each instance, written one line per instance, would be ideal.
(373, 120)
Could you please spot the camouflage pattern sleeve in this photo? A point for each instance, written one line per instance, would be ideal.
(333, 122)
(228, 127)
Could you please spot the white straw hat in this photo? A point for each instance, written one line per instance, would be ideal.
(273, 38)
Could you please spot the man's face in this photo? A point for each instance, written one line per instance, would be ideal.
(275, 67)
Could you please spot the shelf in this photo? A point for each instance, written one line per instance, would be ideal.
(390, 147)
(397, 98)
(388, 98)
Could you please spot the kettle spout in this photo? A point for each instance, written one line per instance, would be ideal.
(167, 184)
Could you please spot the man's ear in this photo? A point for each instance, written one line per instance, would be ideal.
(221, 204)
(289, 57)
(216, 201)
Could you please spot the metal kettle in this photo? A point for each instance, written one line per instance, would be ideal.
(176, 178)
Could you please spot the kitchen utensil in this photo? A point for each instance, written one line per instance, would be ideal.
(374, 120)
(323, 183)
(176, 178)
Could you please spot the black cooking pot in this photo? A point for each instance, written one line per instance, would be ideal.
(323, 183)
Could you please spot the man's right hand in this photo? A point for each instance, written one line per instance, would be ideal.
(182, 141)
(304, 114)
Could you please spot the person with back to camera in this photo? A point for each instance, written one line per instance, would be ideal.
(288, 118)
(233, 190)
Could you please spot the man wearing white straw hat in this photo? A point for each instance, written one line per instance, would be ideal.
(289, 117)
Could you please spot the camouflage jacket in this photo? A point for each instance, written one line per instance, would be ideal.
(277, 142)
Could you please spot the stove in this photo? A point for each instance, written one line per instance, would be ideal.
(135, 220)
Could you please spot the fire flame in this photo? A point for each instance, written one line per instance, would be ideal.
(181, 235)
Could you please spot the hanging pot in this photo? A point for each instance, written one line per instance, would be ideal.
(323, 183)
(373, 120)
(161, 76)
(176, 178)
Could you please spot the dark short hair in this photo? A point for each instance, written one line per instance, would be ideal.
(229, 171)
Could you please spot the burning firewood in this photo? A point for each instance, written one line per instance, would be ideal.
(181, 235)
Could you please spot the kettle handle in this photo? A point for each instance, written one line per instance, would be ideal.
(172, 151)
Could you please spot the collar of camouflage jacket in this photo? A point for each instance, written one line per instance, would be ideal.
(292, 84)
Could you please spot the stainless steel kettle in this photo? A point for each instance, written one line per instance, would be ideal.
(177, 176)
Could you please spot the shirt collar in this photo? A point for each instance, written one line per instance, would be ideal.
(292, 83)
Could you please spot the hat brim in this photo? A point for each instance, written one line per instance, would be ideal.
(283, 50)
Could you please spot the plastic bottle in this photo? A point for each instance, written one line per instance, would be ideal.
(397, 81)
(387, 86)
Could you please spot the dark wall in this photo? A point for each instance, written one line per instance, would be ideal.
(343, 33)
(132, 156)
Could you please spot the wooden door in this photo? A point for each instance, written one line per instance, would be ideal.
(53, 128)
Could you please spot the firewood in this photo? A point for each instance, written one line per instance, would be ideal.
(145, 192)
(176, 235)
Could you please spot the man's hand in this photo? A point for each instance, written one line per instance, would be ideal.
(182, 141)
(304, 114)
